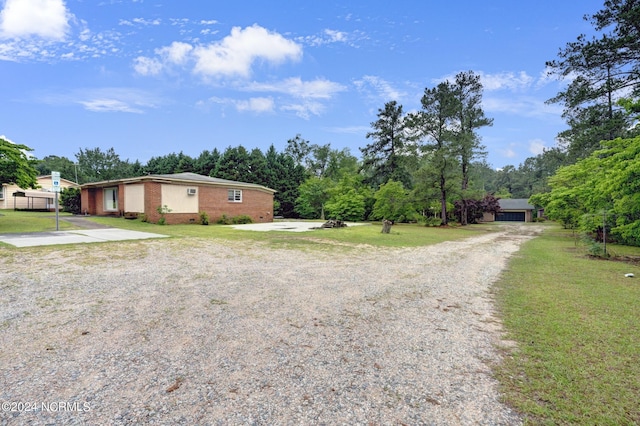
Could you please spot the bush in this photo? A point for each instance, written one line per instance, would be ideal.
(594, 248)
(236, 220)
(70, 200)
(432, 221)
(242, 219)
(163, 210)
(204, 218)
(224, 220)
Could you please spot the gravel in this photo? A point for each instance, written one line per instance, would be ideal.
(195, 331)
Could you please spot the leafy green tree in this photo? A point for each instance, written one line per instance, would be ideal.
(482, 177)
(349, 199)
(392, 203)
(341, 163)
(314, 193)
(206, 162)
(96, 165)
(298, 149)
(162, 165)
(234, 165)
(383, 158)
(258, 170)
(67, 168)
(16, 165)
(285, 176)
(170, 164)
(185, 164)
(605, 182)
(506, 178)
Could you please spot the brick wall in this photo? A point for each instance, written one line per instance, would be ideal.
(213, 200)
(152, 199)
(256, 204)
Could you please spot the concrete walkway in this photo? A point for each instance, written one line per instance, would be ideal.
(33, 239)
(293, 226)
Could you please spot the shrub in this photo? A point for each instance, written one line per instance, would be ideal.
(70, 200)
(204, 218)
(241, 219)
(162, 210)
(432, 221)
(235, 220)
(224, 220)
(594, 248)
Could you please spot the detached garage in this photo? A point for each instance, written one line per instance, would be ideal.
(512, 210)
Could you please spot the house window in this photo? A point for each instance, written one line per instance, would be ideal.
(111, 199)
(1, 192)
(234, 195)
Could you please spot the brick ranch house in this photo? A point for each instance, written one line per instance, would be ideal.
(184, 194)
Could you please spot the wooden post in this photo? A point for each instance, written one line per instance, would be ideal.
(386, 226)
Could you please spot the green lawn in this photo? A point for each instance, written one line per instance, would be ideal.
(402, 235)
(12, 222)
(577, 324)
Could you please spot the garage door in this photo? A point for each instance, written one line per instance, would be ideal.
(510, 217)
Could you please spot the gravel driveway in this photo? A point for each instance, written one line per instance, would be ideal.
(193, 332)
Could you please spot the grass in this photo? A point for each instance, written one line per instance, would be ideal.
(577, 326)
(12, 222)
(402, 235)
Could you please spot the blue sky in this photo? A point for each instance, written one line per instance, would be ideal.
(152, 77)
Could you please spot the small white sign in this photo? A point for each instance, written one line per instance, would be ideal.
(55, 179)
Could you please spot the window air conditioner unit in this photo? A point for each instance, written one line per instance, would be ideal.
(191, 191)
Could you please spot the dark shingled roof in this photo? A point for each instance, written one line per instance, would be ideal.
(515, 204)
(189, 178)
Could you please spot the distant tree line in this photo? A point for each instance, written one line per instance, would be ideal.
(430, 165)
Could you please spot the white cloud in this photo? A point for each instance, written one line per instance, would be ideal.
(329, 36)
(176, 53)
(508, 152)
(257, 105)
(235, 54)
(507, 80)
(521, 105)
(305, 109)
(147, 66)
(107, 99)
(536, 146)
(326, 37)
(48, 19)
(336, 36)
(315, 89)
(352, 130)
(378, 88)
(109, 105)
